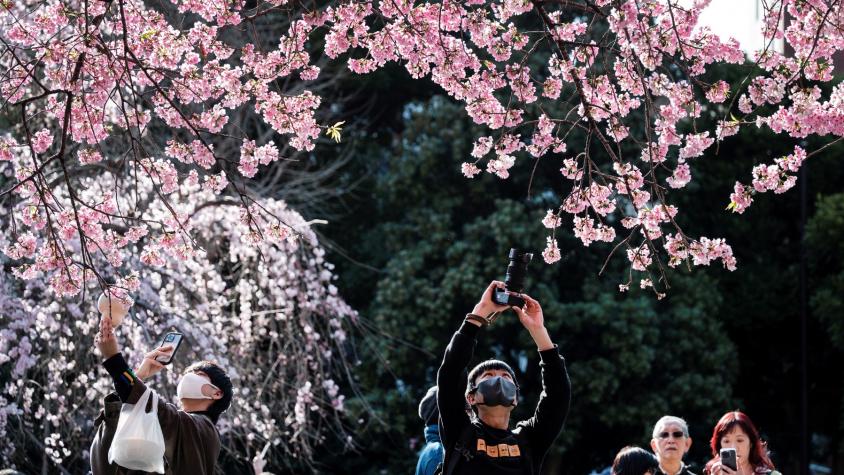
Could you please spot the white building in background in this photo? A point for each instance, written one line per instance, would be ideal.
(740, 19)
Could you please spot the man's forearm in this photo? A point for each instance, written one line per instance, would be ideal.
(541, 338)
(554, 401)
(451, 379)
(459, 352)
(121, 375)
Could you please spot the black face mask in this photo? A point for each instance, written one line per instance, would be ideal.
(497, 391)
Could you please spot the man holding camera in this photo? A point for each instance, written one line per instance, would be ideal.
(484, 442)
(191, 440)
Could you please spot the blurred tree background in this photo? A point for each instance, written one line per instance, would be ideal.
(415, 244)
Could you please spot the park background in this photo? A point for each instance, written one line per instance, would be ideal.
(414, 244)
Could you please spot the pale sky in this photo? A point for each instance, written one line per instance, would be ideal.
(740, 19)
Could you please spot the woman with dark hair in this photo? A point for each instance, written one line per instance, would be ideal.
(634, 461)
(736, 430)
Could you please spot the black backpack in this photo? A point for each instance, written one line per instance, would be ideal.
(464, 449)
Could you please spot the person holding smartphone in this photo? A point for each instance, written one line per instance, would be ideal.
(191, 440)
(737, 448)
(670, 443)
(482, 440)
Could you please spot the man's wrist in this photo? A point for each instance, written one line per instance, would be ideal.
(141, 373)
(481, 319)
(481, 311)
(475, 321)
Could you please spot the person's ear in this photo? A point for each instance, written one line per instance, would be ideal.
(654, 447)
(471, 398)
(688, 444)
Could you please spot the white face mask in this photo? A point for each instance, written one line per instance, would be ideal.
(190, 387)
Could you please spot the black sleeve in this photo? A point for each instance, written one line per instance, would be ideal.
(451, 384)
(121, 375)
(553, 406)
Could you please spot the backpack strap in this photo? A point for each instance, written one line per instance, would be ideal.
(461, 449)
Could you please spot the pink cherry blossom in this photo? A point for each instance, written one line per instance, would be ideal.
(695, 145)
(551, 254)
(718, 92)
(469, 170)
(7, 145)
(640, 258)
(42, 140)
(596, 72)
(482, 147)
(551, 220)
(570, 169)
(681, 177)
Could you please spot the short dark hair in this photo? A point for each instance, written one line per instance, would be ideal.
(634, 461)
(484, 366)
(428, 410)
(218, 378)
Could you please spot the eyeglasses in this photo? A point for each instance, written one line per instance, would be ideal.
(676, 434)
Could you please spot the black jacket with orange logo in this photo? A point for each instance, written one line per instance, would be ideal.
(484, 449)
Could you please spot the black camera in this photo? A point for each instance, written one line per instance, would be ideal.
(514, 281)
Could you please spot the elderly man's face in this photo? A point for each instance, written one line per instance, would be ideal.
(670, 444)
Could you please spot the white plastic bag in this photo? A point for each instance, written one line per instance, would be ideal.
(138, 443)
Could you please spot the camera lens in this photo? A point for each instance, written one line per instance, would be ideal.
(517, 270)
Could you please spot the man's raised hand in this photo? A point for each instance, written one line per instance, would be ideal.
(531, 314)
(105, 340)
(486, 306)
(534, 321)
(150, 365)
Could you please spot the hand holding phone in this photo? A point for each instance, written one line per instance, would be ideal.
(173, 340)
(728, 458)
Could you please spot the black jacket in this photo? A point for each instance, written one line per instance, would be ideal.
(533, 436)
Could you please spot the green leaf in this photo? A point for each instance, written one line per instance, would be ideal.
(148, 34)
(335, 130)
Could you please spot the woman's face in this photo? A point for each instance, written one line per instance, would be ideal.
(739, 440)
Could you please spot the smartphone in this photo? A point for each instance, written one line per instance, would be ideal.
(173, 339)
(728, 458)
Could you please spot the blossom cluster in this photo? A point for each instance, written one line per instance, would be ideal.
(601, 70)
(476, 52)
